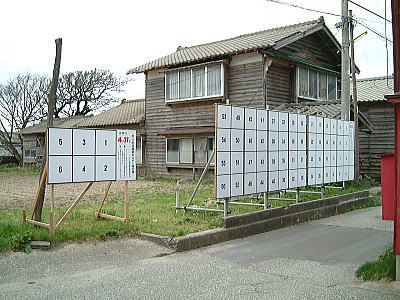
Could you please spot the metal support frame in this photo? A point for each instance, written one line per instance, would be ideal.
(188, 205)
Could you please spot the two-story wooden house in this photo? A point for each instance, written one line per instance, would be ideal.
(264, 69)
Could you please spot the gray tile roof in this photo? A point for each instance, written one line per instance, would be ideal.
(4, 152)
(328, 109)
(374, 89)
(128, 112)
(70, 122)
(240, 44)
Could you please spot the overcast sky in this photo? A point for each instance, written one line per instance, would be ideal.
(121, 34)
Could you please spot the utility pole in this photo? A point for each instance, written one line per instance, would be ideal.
(345, 78)
(38, 207)
(355, 105)
(395, 99)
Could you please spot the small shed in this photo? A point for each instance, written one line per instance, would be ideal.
(33, 138)
(373, 105)
(127, 115)
(6, 156)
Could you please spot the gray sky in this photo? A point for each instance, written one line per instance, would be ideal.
(121, 34)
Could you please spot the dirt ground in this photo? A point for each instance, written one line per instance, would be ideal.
(18, 190)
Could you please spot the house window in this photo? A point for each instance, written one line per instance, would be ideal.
(194, 83)
(172, 150)
(189, 150)
(139, 150)
(317, 85)
(200, 150)
(322, 86)
(30, 153)
(185, 151)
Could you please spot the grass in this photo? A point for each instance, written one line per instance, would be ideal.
(14, 168)
(151, 211)
(383, 268)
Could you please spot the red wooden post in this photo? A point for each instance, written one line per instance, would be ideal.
(395, 99)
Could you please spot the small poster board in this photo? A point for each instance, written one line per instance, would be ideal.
(90, 155)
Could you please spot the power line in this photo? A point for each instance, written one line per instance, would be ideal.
(302, 7)
(311, 9)
(382, 36)
(370, 11)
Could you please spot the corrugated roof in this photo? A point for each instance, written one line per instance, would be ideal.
(4, 152)
(374, 88)
(128, 112)
(70, 122)
(240, 44)
(329, 109)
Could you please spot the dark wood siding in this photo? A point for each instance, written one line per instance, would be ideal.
(279, 84)
(161, 116)
(381, 141)
(244, 83)
(314, 49)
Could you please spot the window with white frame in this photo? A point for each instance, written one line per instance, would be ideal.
(195, 150)
(197, 82)
(317, 85)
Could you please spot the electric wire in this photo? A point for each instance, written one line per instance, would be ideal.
(382, 36)
(304, 8)
(370, 11)
(311, 9)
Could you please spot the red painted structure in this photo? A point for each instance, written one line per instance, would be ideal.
(395, 99)
(388, 186)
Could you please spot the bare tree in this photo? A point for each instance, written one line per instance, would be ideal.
(82, 92)
(22, 102)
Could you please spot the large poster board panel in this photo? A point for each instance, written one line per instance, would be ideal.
(287, 150)
(89, 155)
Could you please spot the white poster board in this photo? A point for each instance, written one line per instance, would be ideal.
(277, 150)
(89, 155)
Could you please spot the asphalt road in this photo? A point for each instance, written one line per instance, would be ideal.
(314, 260)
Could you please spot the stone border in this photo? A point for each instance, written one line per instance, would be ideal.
(262, 221)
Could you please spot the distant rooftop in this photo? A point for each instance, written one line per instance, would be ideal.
(128, 112)
(69, 122)
(374, 88)
(327, 109)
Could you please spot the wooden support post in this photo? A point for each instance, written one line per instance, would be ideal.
(52, 207)
(51, 223)
(24, 216)
(126, 215)
(40, 196)
(42, 185)
(33, 222)
(104, 198)
(74, 204)
(112, 217)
